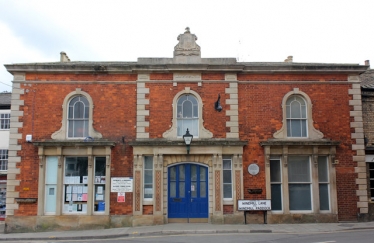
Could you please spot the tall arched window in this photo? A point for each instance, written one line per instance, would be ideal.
(78, 116)
(187, 115)
(296, 113)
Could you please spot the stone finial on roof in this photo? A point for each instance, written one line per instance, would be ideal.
(187, 51)
(64, 57)
(289, 59)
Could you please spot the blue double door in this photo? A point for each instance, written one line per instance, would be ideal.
(188, 191)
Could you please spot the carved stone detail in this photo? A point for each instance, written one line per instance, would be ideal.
(137, 190)
(218, 190)
(187, 45)
(238, 184)
(158, 190)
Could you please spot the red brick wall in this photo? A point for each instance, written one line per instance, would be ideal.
(260, 115)
(114, 116)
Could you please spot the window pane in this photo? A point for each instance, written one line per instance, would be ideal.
(182, 191)
(202, 173)
(300, 197)
(303, 128)
(324, 197)
(298, 169)
(182, 173)
(78, 110)
(203, 189)
(275, 171)
(323, 169)
(193, 189)
(295, 128)
(148, 162)
(295, 110)
(173, 189)
(173, 173)
(289, 132)
(51, 170)
(227, 176)
(227, 192)
(187, 109)
(100, 164)
(78, 128)
(148, 191)
(276, 197)
(193, 172)
(148, 176)
(227, 164)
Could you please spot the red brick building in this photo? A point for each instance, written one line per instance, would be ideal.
(101, 144)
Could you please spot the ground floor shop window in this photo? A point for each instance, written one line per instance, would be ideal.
(75, 185)
(148, 177)
(299, 186)
(99, 200)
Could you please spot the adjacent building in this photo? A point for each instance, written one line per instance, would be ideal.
(107, 144)
(4, 144)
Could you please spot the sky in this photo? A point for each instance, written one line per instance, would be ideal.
(322, 31)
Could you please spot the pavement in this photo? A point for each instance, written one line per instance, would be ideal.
(184, 229)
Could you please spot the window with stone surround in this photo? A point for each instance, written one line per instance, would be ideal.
(77, 117)
(300, 184)
(187, 113)
(297, 117)
(78, 114)
(148, 177)
(227, 177)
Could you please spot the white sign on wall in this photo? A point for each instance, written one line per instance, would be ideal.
(121, 184)
(254, 205)
(253, 169)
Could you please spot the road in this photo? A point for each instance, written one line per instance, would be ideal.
(338, 237)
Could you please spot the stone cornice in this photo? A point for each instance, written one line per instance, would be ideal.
(299, 142)
(200, 142)
(73, 143)
(207, 66)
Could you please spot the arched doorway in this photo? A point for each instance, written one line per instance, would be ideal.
(188, 193)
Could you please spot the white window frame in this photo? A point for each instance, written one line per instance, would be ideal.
(312, 133)
(144, 174)
(4, 121)
(310, 183)
(62, 133)
(72, 120)
(4, 159)
(227, 158)
(278, 183)
(290, 117)
(181, 119)
(202, 131)
(325, 182)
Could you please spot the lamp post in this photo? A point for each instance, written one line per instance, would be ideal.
(187, 140)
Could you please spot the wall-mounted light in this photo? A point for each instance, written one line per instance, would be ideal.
(187, 140)
(217, 104)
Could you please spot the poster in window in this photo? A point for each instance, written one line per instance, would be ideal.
(84, 197)
(74, 197)
(99, 197)
(102, 179)
(68, 197)
(99, 190)
(75, 189)
(80, 197)
(97, 179)
(80, 189)
(85, 179)
(85, 189)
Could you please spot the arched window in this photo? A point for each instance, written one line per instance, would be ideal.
(296, 112)
(187, 115)
(78, 117)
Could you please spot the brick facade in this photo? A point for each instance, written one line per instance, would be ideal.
(134, 111)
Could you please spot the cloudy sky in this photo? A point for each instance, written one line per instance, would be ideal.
(328, 31)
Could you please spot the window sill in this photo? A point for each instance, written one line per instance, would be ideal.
(147, 202)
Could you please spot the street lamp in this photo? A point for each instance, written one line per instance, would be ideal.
(187, 140)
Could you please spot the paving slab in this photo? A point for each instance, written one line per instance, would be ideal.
(174, 229)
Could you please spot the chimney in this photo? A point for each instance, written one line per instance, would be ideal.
(289, 59)
(64, 57)
(367, 63)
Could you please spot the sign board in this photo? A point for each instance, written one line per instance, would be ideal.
(121, 184)
(121, 197)
(254, 205)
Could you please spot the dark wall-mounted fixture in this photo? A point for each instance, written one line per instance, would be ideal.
(217, 104)
(255, 191)
(187, 140)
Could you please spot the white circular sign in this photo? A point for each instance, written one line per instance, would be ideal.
(253, 169)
